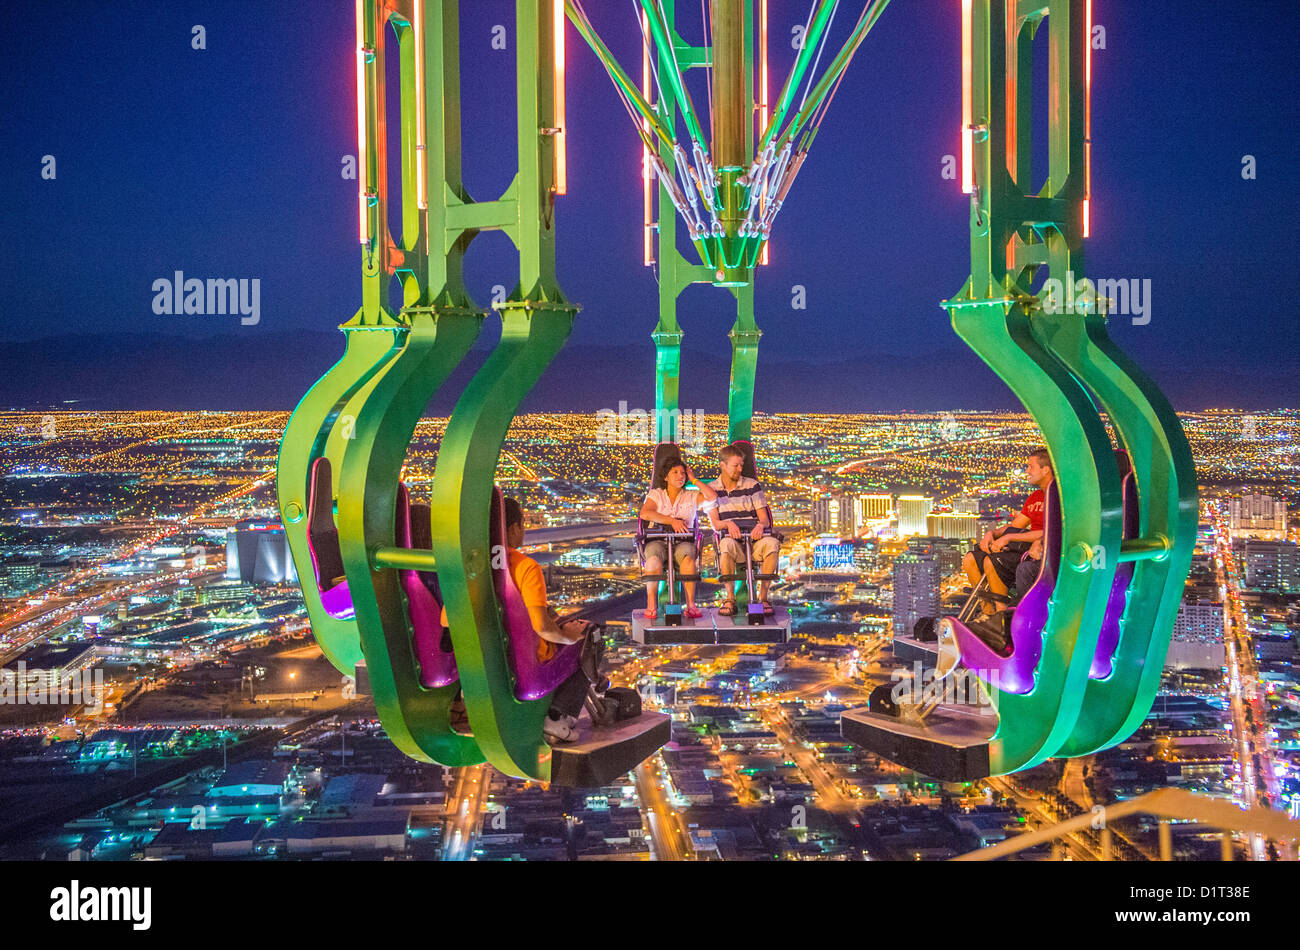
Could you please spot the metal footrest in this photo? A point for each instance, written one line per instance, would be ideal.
(951, 743)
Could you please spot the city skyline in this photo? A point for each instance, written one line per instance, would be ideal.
(129, 522)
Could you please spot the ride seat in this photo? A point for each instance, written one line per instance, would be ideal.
(323, 544)
(1108, 639)
(645, 528)
(534, 678)
(429, 638)
(1016, 668)
(749, 469)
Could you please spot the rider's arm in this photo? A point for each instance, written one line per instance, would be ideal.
(1019, 521)
(650, 512)
(532, 587)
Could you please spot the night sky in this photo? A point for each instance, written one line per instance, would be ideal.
(226, 162)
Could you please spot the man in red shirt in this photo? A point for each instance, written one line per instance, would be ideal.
(1000, 550)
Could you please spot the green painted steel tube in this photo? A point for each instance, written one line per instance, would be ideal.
(660, 31)
(507, 730)
(745, 335)
(304, 441)
(1144, 550)
(403, 559)
(802, 61)
(1033, 726)
(1167, 506)
(619, 77)
(416, 719)
(832, 74)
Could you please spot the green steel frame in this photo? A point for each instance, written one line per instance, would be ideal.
(1062, 367)
(363, 412)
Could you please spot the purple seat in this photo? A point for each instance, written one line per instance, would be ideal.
(323, 544)
(1108, 640)
(662, 451)
(534, 678)
(1016, 670)
(749, 469)
(430, 639)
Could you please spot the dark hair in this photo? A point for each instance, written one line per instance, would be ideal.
(1044, 458)
(666, 466)
(514, 513)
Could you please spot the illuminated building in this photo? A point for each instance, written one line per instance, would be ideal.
(875, 507)
(1257, 516)
(960, 526)
(1198, 636)
(1273, 566)
(947, 552)
(834, 514)
(916, 590)
(912, 512)
(831, 554)
(257, 552)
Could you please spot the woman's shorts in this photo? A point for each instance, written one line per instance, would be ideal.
(659, 549)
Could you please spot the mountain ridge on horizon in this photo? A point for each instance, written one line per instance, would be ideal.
(145, 371)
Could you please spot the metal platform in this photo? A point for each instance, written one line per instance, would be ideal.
(952, 744)
(602, 754)
(712, 628)
(910, 650)
(657, 633)
(737, 629)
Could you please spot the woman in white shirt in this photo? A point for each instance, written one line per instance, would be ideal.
(671, 505)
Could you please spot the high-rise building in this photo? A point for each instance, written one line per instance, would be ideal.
(916, 590)
(1198, 636)
(257, 552)
(1258, 516)
(820, 518)
(875, 508)
(966, 504)
(948, 552)
(1273, 566)
(912, 510)
(946, 524)
(832, 554)
(835, 514)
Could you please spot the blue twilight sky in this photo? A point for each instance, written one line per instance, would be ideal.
(226, 162)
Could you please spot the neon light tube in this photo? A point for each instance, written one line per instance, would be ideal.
(967, 107)
(421, 155)
(1087, 127)
(647, 176)
(362, 144)
(561, 147)
(762, 102)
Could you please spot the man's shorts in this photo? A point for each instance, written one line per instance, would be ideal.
(659, 549)
(735, 549)
(1005, 561)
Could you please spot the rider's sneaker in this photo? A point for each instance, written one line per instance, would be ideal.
(564, 729)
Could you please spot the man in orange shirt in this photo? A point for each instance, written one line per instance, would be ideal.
(553, 632)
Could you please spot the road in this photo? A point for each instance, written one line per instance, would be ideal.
(464, 806)
(1251, 740)
(669, 838)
